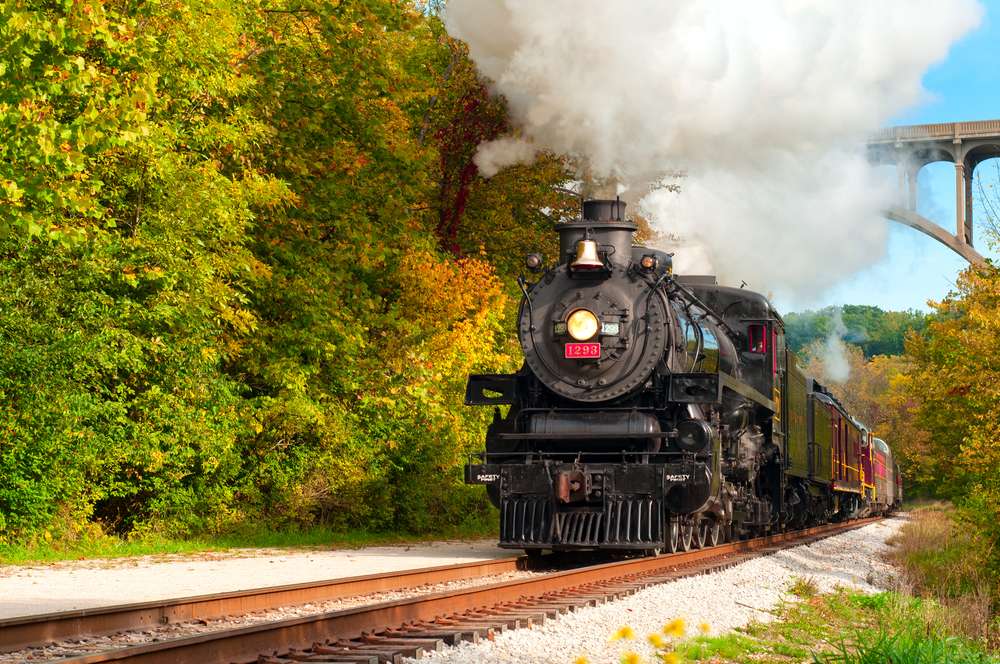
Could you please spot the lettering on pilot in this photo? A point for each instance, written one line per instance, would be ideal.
(676, 478)
(486, 478)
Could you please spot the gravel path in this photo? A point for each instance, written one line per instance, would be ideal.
(52, 587)
(718, 603)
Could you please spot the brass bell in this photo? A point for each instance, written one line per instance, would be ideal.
(586, 256)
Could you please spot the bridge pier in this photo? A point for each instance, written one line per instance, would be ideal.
(960, 201)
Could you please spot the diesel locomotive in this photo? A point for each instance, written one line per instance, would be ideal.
(660, 412)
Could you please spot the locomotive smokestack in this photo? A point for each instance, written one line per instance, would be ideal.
(604, 210)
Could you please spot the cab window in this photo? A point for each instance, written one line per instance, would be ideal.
(709, 351)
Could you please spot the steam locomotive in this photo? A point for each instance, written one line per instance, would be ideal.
(658, 412)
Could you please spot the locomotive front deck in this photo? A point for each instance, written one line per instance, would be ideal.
(600, 505)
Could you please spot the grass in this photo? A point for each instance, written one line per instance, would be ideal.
(905, 648)
(804, 588)
(843, 627)
(100, 545)
(732, 646)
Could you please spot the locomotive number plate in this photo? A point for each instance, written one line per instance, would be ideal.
(583, 350)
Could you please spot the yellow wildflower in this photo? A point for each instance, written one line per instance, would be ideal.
(623, 633)
(671, 658)
(657, 641)
(631, 658)
(705, 627)
(674, 628)
(580, 660)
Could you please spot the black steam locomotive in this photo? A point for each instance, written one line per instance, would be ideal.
(657, 412)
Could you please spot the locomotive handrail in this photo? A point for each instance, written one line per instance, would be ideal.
(745, 390)
(608, 409)
(524, 413)
(587, 436)
(708, 310)
(484, 456)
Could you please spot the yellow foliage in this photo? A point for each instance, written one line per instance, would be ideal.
(623, 633)
(674, 628)
(450, 309)
(956, 380)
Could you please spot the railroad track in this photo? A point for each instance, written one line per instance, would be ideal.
(387, 631)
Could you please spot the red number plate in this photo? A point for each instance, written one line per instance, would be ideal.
(583, 350)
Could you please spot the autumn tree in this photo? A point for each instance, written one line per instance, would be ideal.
(246, 264)
(957, 379)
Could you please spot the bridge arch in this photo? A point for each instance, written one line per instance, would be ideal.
(910, 148)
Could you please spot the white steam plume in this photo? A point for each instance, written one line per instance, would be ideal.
(491, 156)
(838, 367)
(762, 103)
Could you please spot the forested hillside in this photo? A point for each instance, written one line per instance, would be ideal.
(874, 331)
(245, 265)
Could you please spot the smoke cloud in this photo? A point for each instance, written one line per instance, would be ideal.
(763, 104)
(838, 367)
(490, 157)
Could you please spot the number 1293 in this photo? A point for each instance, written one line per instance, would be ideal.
(583, 350)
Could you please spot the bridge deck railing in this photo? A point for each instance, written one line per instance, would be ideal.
(935, 131)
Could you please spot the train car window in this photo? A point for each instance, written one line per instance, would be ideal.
(692, 336)
(710, 351)
(690, 343)
(758, 339)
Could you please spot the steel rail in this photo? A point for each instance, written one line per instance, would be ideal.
(256, 642)
(41, 630)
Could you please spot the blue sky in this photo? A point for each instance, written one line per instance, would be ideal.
(916, 269)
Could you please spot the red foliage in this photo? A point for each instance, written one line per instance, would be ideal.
(476, 118)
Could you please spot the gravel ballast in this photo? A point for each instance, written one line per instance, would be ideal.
(718, 602)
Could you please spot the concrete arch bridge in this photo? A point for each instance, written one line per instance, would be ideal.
(910, 148)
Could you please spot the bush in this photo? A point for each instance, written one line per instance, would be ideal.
(943, 560)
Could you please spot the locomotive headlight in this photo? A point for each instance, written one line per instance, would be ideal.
(582, 324)
(693, 436)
